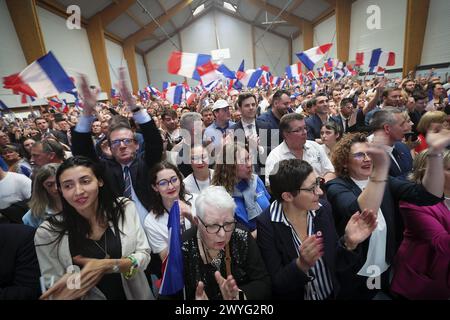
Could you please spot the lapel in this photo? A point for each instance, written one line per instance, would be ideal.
(284, 237)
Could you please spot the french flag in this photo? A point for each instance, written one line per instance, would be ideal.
(310, 75)
(43, 78)
(154, 91)
(190, 97)
(185, 63)
(227, 73)
(212, 85)
(275, 81)
(27, 99)
(379, 71)
(166, 85)
(311, 56)
(207, 73)
(173, 280)
(250, 78)
(4, 107)
(294, 70)
(174, 94)
(382, 58)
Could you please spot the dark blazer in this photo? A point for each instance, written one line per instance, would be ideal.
(359, 126)
(139, 168)
(19, 268)
(279, 253)
(313, 126)
(343, 195)
(404, 159)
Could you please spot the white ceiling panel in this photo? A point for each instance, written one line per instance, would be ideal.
(123, 26)
(88, 7)
(311, 9)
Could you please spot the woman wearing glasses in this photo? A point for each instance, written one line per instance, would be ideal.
(221, 262)
(167, 186)
(363, 182)
(298, 240)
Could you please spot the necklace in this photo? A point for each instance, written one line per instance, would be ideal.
(196, 183)
(217, 261)
(107, 256)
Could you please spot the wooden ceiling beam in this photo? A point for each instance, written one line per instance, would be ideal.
(113, 11)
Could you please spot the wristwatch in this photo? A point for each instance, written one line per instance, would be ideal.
(115, 268)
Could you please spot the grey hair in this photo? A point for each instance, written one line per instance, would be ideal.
(384, 116)
(214, 197)
(188, 119)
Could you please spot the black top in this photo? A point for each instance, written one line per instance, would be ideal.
(247, 267)
(111, 283)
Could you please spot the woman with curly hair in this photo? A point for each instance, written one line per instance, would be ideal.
(363, 182)
(234, 171)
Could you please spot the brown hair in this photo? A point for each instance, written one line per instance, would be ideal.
(341, 152)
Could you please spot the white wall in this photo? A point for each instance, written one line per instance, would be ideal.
(297, 46)
(116, 59)
(325, 32)
(390, 37)
(436, 46)
(71, 47)
(12, 59)
(200, 37)
(272, 51)
(142, 75)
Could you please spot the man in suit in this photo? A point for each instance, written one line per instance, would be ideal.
(257, 133)
(314, 122)
(19, 268)
(350, 118)
(395, 123)
(281, 104)
(127, 172)
(46, 132)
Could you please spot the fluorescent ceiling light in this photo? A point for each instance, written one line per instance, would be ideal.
(229, 6)
(199, 9)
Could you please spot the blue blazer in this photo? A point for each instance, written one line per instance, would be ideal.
(404, 160)
(279, 253)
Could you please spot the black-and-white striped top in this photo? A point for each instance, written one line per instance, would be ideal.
(321, 285)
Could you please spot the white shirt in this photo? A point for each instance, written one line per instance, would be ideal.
(192, 187)
(14, 187)
(375, 263)
(313, 153)
(247, 130)
(157, 231)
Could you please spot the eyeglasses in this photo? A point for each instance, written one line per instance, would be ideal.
(164, 183)
(360, 156)
(126, 141)
(318, 184)
(215, 228)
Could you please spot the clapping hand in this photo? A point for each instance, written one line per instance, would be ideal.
(200, 293)
(125, 92)
(359, 228)
(310, 251)
(89, 97)
(437, 141)
(228, 286)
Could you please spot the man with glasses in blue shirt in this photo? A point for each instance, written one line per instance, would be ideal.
(127, 167)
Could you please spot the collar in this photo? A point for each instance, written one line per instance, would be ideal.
(277, 213)
(245, 124)
(389, 149)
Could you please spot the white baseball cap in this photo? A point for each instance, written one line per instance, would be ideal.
(219, 104)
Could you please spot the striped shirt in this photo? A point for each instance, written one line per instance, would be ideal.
(321, 285)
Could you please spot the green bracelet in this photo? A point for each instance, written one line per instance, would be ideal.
(133, 269)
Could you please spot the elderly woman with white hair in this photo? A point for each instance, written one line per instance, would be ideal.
(221, 261)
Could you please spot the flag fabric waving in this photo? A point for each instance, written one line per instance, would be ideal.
(382, 58)
(172, 280)
(185, 63)
(43, 78)
(4, 107)
(294, 70)
(311, 56)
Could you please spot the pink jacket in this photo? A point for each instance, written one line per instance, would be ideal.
(422, 263)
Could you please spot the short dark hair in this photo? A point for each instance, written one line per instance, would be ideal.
(278, 94)
(286, 120)
(243, 96)
(314, 100)
(118, 122)
(169, 112)
(347, 100)
(289, 177)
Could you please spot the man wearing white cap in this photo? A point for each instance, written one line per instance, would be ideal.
(222, 123)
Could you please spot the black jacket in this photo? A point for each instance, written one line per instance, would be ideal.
(19, 268)
(139, 168)
(279, 253)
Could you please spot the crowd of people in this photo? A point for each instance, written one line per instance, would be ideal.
(328, 189)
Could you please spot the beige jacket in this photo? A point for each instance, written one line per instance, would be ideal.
(55, 258)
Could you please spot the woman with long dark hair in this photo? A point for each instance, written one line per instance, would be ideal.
(97, 232)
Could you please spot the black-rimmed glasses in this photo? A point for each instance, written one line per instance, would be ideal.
(318, 184)
(215, 228)
(164, 183)
(116, 143)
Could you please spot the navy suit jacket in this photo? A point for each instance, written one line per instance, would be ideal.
(19, 267)
(359, 126)
(313, 126)
(139, 168)
(279, 253)
(404, 159)
(343, 195)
